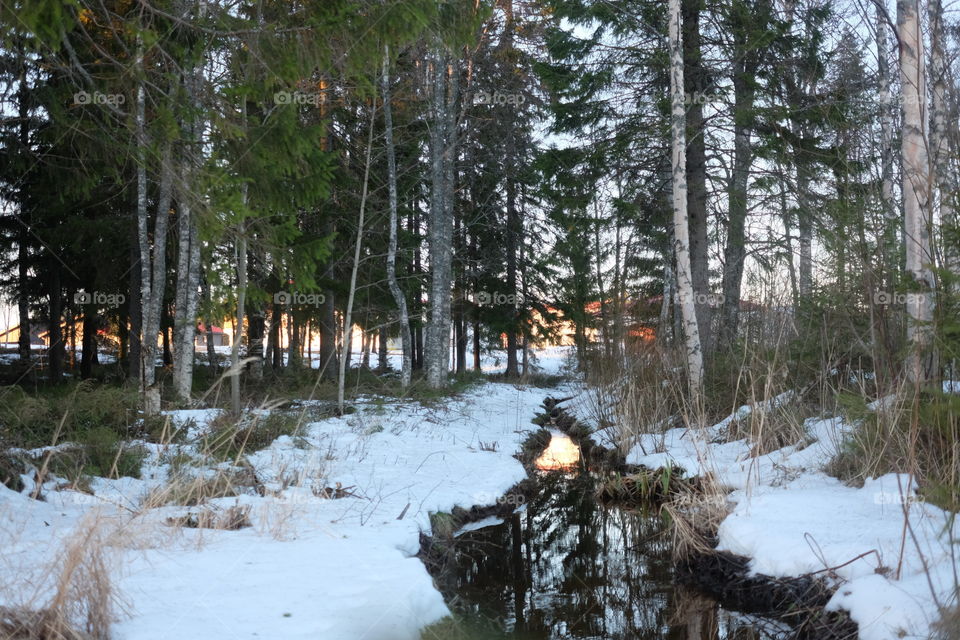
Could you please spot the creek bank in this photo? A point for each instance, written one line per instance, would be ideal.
(799, 602)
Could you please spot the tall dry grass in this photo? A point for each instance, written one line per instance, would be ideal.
(71, 597)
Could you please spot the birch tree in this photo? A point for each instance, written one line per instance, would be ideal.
(941, 134)
(398, 297)
(916, 193)
(681, 229)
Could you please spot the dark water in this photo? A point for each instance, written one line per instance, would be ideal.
(569, 567)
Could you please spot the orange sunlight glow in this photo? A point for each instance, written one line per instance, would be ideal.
(561, 454)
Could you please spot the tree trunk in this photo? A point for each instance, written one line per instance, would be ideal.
(365, 341)
(89, 343)
(442, 151)
(735, 251)
(886, 117)
(23, 232)
(240, 255)
(348, 314)
(695, 86)
(941, 133)
(685, 288)
(916, 194)
(383, 363)
(135, 308)
(276, 331)
(166, 327)
(153, 265)
(406, 343)
(55, 350)
(211, 351)
(415, 271)
(188, 279)
(293, 341)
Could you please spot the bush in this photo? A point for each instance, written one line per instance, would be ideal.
(34, 420)
(97, 452)
(923, 439)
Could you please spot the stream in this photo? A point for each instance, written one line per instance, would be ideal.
(564, 565)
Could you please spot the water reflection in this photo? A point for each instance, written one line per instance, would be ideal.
(567, 567)
(562, 454)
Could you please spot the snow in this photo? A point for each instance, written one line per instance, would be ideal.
(791, 519)
(309, 567)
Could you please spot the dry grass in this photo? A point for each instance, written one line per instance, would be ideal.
(632, 397)
(912, 431)
(769, 428)
(190, 490)
(694, 515)
(74, 595)
(948, 627)
(232, 518)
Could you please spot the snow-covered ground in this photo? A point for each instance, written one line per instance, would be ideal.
(892, 554)
(308, 567)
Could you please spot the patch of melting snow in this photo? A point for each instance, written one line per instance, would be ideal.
(308, 567)
(791, 520)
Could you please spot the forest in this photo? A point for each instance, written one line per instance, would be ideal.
(268, 263)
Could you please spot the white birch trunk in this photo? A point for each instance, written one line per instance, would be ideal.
(886, 118)
(941, 134)
(694, 355)
(916, 192)
(241, 257)
(188, 279)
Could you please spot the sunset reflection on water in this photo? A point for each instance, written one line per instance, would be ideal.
(560, 455)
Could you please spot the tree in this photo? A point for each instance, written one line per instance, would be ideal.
(398, 296)
(920, 362)
(681, 228)
(443, 91)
